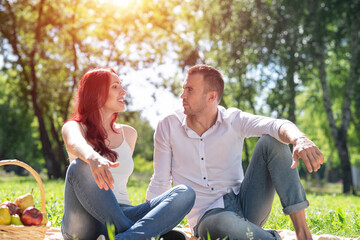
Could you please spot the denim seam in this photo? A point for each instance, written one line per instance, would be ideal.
(98, 216)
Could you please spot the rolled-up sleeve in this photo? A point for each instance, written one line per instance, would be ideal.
(161, 179)
(251, 125)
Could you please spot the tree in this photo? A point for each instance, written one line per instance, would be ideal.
(50, 44)
(293, 41)
(16, 139)
(334, 29)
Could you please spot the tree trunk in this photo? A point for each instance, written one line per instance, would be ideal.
(290, 75)
(31, 80)
(339, 134)
(53, 166)
(61, 158)
(341, 146)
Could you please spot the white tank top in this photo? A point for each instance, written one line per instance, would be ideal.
(121, 173)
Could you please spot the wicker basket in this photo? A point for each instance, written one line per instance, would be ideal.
(12, 232)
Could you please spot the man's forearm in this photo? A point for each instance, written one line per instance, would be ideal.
(290, 133)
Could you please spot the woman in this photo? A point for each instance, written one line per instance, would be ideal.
(100, 153)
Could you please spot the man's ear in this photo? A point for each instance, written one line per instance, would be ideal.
(212, 96)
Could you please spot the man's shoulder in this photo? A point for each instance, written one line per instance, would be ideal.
(175, 116)
(229, 112)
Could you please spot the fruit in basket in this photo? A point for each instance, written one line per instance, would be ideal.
(25, 201)
(15, 219)
(31, 216)
(5, 217)
(13, 208)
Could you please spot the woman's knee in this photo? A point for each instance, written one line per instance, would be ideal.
(79, 170)
(183, 197)
(186, 192)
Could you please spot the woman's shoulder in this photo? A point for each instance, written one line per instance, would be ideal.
(128, 130)
(71, 128)
(70, 125)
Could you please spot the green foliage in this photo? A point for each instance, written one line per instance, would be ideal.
(47, 46)
(267, 50)
(17, 132)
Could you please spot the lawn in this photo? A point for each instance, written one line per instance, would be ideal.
(329, 212)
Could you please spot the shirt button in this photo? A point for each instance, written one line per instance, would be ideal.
(204, 178)
(212, 189)
(202, 158)
(201, 139)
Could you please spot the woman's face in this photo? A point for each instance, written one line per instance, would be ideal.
(115, 100)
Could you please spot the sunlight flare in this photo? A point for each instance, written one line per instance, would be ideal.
(120, 3)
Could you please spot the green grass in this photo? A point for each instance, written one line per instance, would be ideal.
(329, 211)
(327, 214)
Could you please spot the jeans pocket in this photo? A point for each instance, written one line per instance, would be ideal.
(231, 203)
(229, 196)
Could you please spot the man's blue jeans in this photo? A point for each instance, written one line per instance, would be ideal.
(245, 213)
(88, 209)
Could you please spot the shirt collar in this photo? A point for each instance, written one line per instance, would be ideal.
(182, 117)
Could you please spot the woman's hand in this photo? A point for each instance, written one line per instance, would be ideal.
(100, 168)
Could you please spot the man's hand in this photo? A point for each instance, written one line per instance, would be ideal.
(100, 169)
(305, 149)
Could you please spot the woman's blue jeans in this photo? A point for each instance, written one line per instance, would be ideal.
(245, 213)
(88, 209)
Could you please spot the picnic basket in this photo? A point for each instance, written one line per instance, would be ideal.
(12, 232)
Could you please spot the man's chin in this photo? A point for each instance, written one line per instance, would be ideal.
(187, 112)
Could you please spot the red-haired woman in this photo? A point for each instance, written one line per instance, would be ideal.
(100, 152)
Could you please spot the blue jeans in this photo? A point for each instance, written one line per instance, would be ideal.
(88, 208)
(245, 213)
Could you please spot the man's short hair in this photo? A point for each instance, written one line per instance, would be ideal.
(212, 78)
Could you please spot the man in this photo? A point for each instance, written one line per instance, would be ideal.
(201, 146)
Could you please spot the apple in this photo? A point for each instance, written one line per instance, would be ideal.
(5, 217)
(25, 201)
(31, 216)
(13, 208)
(15, 219)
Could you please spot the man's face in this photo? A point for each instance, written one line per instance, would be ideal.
(193, 96)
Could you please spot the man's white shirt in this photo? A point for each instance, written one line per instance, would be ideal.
(210, 164)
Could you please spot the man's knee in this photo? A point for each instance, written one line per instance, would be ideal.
(271, 143)
(220, 225)
(268, 140)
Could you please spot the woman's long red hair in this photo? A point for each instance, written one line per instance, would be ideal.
(91, 95)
